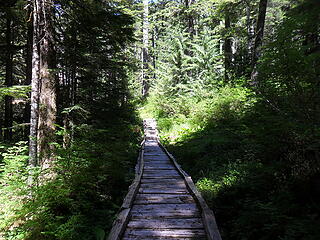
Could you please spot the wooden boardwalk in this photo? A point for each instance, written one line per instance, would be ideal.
(162, 202)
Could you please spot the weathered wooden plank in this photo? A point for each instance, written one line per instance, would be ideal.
(159, 160)
(171, 233)
(150, 148)
(163, 198)
(159, 154)
(188, 223)
(167, 207)
(165, 180)
(174, 189)
(165, 214)
(162, 177)
(161, 172)
(151, 131)
(159, 163)
(156, 147)
(158, 157)
(165, 211)
(164, 190)
(177, 187)
(168, 161)
(149, 144)
(159, 167)
(164, 184)
(153, 162)
(150, 136)
(153, 150)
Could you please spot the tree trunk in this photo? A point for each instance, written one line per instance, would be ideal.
(190, 18)
(47, 86)
(145, 50)
(43, 97)
(258, 39)
(250, 31)
(227, 45)
(34, 115)
(154, 57)
(27, 109)
(8, 118)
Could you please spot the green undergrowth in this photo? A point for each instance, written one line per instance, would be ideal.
(81, 201)
(258, 170)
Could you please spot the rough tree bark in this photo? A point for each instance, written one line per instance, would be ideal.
(8, 117)
(258, 39)
(43, 96)
(47, 86)
(27, 109)
(34, 115)
(250, 31)
(145, 49)
(154, 57)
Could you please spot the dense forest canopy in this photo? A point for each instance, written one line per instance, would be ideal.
(233, 84)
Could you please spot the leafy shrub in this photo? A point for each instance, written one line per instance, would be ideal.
(13, 186)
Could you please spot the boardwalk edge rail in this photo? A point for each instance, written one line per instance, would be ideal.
(208, 217)
(122, 219)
